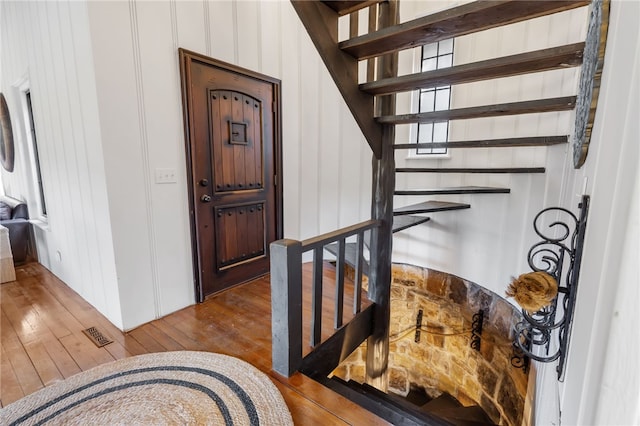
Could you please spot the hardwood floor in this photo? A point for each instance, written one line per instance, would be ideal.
(42, 341)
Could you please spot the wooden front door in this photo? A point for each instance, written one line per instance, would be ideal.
(233, 151)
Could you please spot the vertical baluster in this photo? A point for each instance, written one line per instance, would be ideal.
(371, 63)
(357, 288)
(353, 24)
(339, 298)
(286, 305)
(316, 298)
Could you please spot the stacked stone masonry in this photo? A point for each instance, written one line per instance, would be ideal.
(443, 360)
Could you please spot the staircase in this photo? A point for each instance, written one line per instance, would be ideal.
(372, 103)
(341, 58)
(414, 409)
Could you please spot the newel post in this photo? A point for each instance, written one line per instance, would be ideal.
(382, 209)
(286, 306)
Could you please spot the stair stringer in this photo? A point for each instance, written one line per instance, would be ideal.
(321, 24)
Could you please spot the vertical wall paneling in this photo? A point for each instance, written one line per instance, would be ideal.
(47, 50)
(618, 399)
(73, 149)
(329, 193)
(96, 202)
(292, 82)
(310, 161)
(118, 98)
(207, 27)
(248, 29)
(55, 159)
(142, 106)
(611, 170)
(222, 30)
(270, 38)
(167, 204)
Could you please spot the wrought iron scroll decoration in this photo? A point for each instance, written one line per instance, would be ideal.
(476, 330)
(559, 255)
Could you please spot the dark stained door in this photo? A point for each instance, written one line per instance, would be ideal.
(232, 130)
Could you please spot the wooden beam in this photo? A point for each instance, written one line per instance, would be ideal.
(383, 180)
(513, 108)
(326, 357)
(321, 23)
(429, 207)
(490, 143)
(454, 191)
(345, 7)
(470, 170)
(508, 66)
(454, 22)
(400, 223)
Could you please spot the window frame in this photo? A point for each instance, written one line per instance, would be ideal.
(39, 213)
(420, 57)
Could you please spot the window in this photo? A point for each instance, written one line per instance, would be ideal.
(434, 56)
(35, 159)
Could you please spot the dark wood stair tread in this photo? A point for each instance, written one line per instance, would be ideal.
(400, 223)
(512, 108)
(392, 408)
(429, 207)
(443, 402)
(490, 143)
(470, 170)
(462, 422)
(344, 7)
(454, 22)
(447, 407)
(454, 190)
(537, 61)
(350, 253)
(473, 414)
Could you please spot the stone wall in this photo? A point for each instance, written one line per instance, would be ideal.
(443, 361)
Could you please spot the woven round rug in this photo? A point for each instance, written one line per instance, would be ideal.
(164, 388)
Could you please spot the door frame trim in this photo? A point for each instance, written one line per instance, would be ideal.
(186, 57)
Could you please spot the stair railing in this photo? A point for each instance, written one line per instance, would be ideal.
(286, 291)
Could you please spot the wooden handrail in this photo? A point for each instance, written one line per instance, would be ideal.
(286, 291)
(332, 237)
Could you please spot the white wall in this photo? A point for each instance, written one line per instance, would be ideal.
(44, 46)
(603, 379)
(326, 161)
(106, 90)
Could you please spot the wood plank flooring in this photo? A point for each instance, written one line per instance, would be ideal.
(42, 341)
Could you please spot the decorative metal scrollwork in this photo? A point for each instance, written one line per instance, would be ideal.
(519, 359)
(558, 254)
(476, 330)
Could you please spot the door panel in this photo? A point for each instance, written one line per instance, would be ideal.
(238, 144)
(232, 131)
(240, 234)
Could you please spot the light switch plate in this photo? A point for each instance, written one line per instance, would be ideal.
(165, 175)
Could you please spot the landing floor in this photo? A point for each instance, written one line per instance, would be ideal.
(42, 341)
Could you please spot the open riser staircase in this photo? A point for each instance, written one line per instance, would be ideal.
(373, 105)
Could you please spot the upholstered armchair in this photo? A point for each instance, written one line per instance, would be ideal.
(14, 216)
